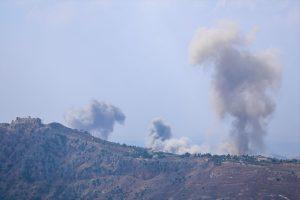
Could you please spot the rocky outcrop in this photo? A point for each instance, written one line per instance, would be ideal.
(51, 161)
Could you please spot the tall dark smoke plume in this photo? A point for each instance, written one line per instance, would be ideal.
(243, 82)
(98, 118)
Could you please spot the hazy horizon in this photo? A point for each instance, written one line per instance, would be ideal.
(60, 56)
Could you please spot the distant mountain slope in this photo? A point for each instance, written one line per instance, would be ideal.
(50, 161)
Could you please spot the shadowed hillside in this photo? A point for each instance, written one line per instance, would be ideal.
(51, 161)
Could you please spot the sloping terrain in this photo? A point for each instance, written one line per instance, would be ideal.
(50, 161)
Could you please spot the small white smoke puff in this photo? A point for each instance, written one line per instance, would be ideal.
(160, 139)
(243, 82)
(98, 118)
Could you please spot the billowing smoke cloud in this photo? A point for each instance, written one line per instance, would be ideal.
(243, 82)
(98, 118)
(160, 139)
(159, 131)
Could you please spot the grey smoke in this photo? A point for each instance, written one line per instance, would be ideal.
(159, 131)
(160, 139)
(243, 82)
(99, 118)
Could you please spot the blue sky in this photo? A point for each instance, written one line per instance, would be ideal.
(56, 55)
